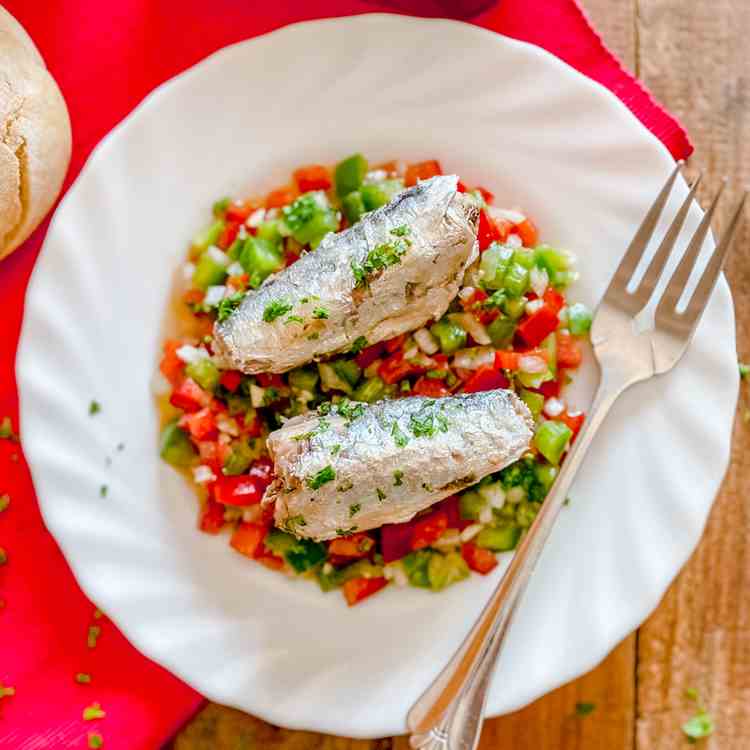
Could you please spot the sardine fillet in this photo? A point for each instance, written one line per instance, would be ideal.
(442, 227)
(336, 474)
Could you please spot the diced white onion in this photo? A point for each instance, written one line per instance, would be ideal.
(224, 438)
(495, 494)
(466, 292)
(256, 395)
(188, 270)
(395, 572)
(486, 515)
(539, 279)
(214, 295)
(252, 513)
(532, 364)
(426, 341)
(190, 354)
(218, 255)
(472, 326)
(321, 198)
(327, 568)
(228, 424)
(272, 213)
(256, 218)
(376, 175)
(236, 269)
(563, 316)
(514, 241)
(533, 306)
(242, 233)
(515, 495)
(411, 352)
(160, 386)
(203, 474)
(474, 357)
(470, 532)
(450, 538)
(553, 407)
(507, 214)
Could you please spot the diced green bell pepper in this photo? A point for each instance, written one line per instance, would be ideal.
(416, 566)
(337, 577)
(535, 401)
(494, 264)
(220, 207)
(514, 308)
(330, 380)
(524, 257)
(501, 331)
(304, 379)
(371, 390)
(208, 272)
(470, 505)
(443, 570)
(526, 512)
(579, 319)
(545, 475)
(208, 236)
(239, 460)
(259, 257)
(498, 538)
(269, 230)
(204, 372)
(301, 554)
(353, 206)
(516, 281)
(549, 344)
(551, 439)
(554, 262)
(318, 227)
(348, 370)
(450, 335)
(175, 446)
(378, 194)
(349, 174)
(235, 249)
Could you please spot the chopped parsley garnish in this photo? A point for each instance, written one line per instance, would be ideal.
(94, 408)
(323, 425)
(346, 532)
(83, 678)
(270, 395)
(94, 711)
(228, 305)
(425, 424)
(294, 319)
(744, 369)
(401, 231)
(293, 522)
(103, 490)
(320, 313)
(325, 475)
(6, 430)
(354, 509)
(398, 436)
(382, 256)
(345, 486)
(584, 709)
(3, 556)
(303, 436)
(358, 345)
(350, 410)
(398, 477)
(4, 502)
(335, 449)
(93, 635)
(96, 741)
(381, 495)
(313, 336)
(426, 487)
(325, 408)
(276, 309)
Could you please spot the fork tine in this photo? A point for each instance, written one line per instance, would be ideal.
(710, 276)
(681, 275)
(640, 241)
(653, 273)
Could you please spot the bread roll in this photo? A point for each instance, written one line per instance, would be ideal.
(35, 138)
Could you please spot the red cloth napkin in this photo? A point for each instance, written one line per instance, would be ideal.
(106, 57)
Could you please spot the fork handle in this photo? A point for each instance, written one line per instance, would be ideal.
(449, 713)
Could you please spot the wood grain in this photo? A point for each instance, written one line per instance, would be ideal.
(694, 56)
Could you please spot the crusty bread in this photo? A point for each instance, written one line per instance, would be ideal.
(35, 138)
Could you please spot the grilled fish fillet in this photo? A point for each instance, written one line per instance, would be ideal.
(399, 267)
(362, 465)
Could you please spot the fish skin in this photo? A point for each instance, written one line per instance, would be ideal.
(486, 431)
(401, 298)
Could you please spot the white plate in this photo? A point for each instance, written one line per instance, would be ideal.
(502, 114)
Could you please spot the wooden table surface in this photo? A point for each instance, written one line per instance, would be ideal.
(694, 56)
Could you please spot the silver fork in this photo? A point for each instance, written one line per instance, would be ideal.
(449, 714)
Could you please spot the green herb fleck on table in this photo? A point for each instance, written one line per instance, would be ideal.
(320, 313)
(96, 741)
(94, 408)
(354, 509)
(584, 709)
(4, 502)
(6, 430)
(744, 370)
(82, 678)
(103, 490)
(701, 724)
(93, 712)
(93, 635)
(398, 477)
(276, 309)
(325, 475)
(120, 447)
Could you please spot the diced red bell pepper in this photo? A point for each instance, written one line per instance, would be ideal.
(193, 296)
(477, 297)
(269, 380)
(573, 421)
(213, 454)
(357, 589)
(486, 194)
(394, 344)
(486, 379)
(189, 396)
(450, 506)
(314, 177)
(550, 388)
(461, 187)
(430, 387)
(569, 355)
(553, 299)
(249, 428)
(534, 328)
(390, 167)
(171, 366)
(231, 379)
(351, 547)
(369, 354)
(478, 559)
(240, 211)
(505, 360)
(281, 197)
(422, 170)
(429, 529)
(200, 424)
(487, 232)
(248, 538)
(240, 490)
(395, 368)
(270, 561)
(395, 540)
(262, 470)
(228, 235)
(528, 233)
(211, 518)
